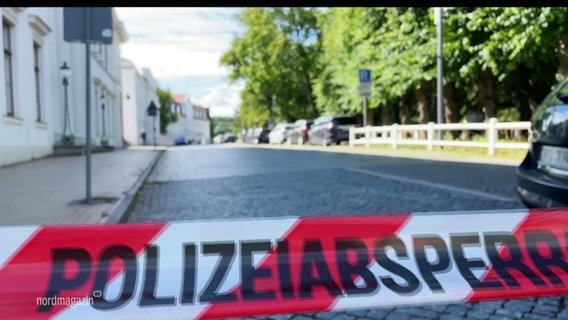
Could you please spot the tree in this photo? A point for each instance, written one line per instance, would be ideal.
(509, 54)
(299, 62)
(166, 116)
(221, 125)
(276, 57)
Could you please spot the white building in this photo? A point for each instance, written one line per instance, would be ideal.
(193, 122)
(139, 91)
(33, 95)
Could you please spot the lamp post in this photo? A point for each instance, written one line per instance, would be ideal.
(439, 12)
(67, 137)
(104, 139)
(440, 80)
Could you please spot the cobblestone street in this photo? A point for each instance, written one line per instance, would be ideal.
(229, 182)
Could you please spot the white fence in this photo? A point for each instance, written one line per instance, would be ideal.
(428, 135)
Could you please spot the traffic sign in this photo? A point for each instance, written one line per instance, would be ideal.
(365, 89)
(365, 76)
(152, 109)
(99, 29)
(365, 83)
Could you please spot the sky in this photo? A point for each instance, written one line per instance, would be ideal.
(182, 48)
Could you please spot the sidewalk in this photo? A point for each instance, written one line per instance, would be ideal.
(50, 190)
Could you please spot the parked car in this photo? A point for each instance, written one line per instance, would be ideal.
(263, 137)
(252, 135)
(328, 130)
(542, 177)
(181, 140)
(227, 138)
(279, 134)
(298, 134)
(218, 139)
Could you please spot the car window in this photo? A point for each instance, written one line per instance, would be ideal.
(345, 121)
(552, 98)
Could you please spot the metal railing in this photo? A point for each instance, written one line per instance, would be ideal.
(428, 135)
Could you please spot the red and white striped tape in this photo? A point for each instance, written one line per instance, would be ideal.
(223, 269)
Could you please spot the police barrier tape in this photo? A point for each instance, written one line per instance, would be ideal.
(222, 269)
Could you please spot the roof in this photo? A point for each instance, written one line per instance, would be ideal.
(179, 98)
(200, 107)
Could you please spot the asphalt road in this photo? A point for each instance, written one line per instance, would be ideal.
(230, 181)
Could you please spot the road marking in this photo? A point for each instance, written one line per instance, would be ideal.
(433, 185)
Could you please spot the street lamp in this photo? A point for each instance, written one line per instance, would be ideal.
(440, 80)
(104, 139)
(67, 137)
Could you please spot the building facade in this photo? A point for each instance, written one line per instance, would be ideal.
(140, 90)
(193, 124)
(40, 108)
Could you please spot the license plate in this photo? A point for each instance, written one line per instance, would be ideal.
(554, 158)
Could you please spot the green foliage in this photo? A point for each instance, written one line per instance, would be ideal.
(508, 115)
(222, 125)
(166, 116)
(307, 57)
(276, 56)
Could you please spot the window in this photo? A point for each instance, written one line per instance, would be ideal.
(8, 67)
(37, 80)
(39, 30)
(345, 121)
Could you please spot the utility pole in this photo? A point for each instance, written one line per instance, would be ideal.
(440, 80)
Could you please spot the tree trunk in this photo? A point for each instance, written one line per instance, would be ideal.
(450, 107)
(271, 104)
(485, 86)
(405, 109)
(524, 107)
(423, 100)
(423, 104)
(307, 79)
(385, 115)
(525, 111)
(562, 54)
(310, 95)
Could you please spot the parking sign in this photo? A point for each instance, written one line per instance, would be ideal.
(364, 75)
(365, 83)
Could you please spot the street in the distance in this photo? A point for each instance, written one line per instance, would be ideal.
(232, 182)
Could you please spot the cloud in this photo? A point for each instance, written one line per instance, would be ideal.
(169, 60)
(182, 47)
(215, 92)
(223, 99)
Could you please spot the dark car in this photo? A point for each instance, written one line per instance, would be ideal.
(227, 138)
(543, 174)
(263, 136)
(299, 132)
(328, 130)
(181, 140)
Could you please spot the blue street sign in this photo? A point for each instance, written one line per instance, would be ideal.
(364, 75)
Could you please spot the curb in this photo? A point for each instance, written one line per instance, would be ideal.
(118, 212)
